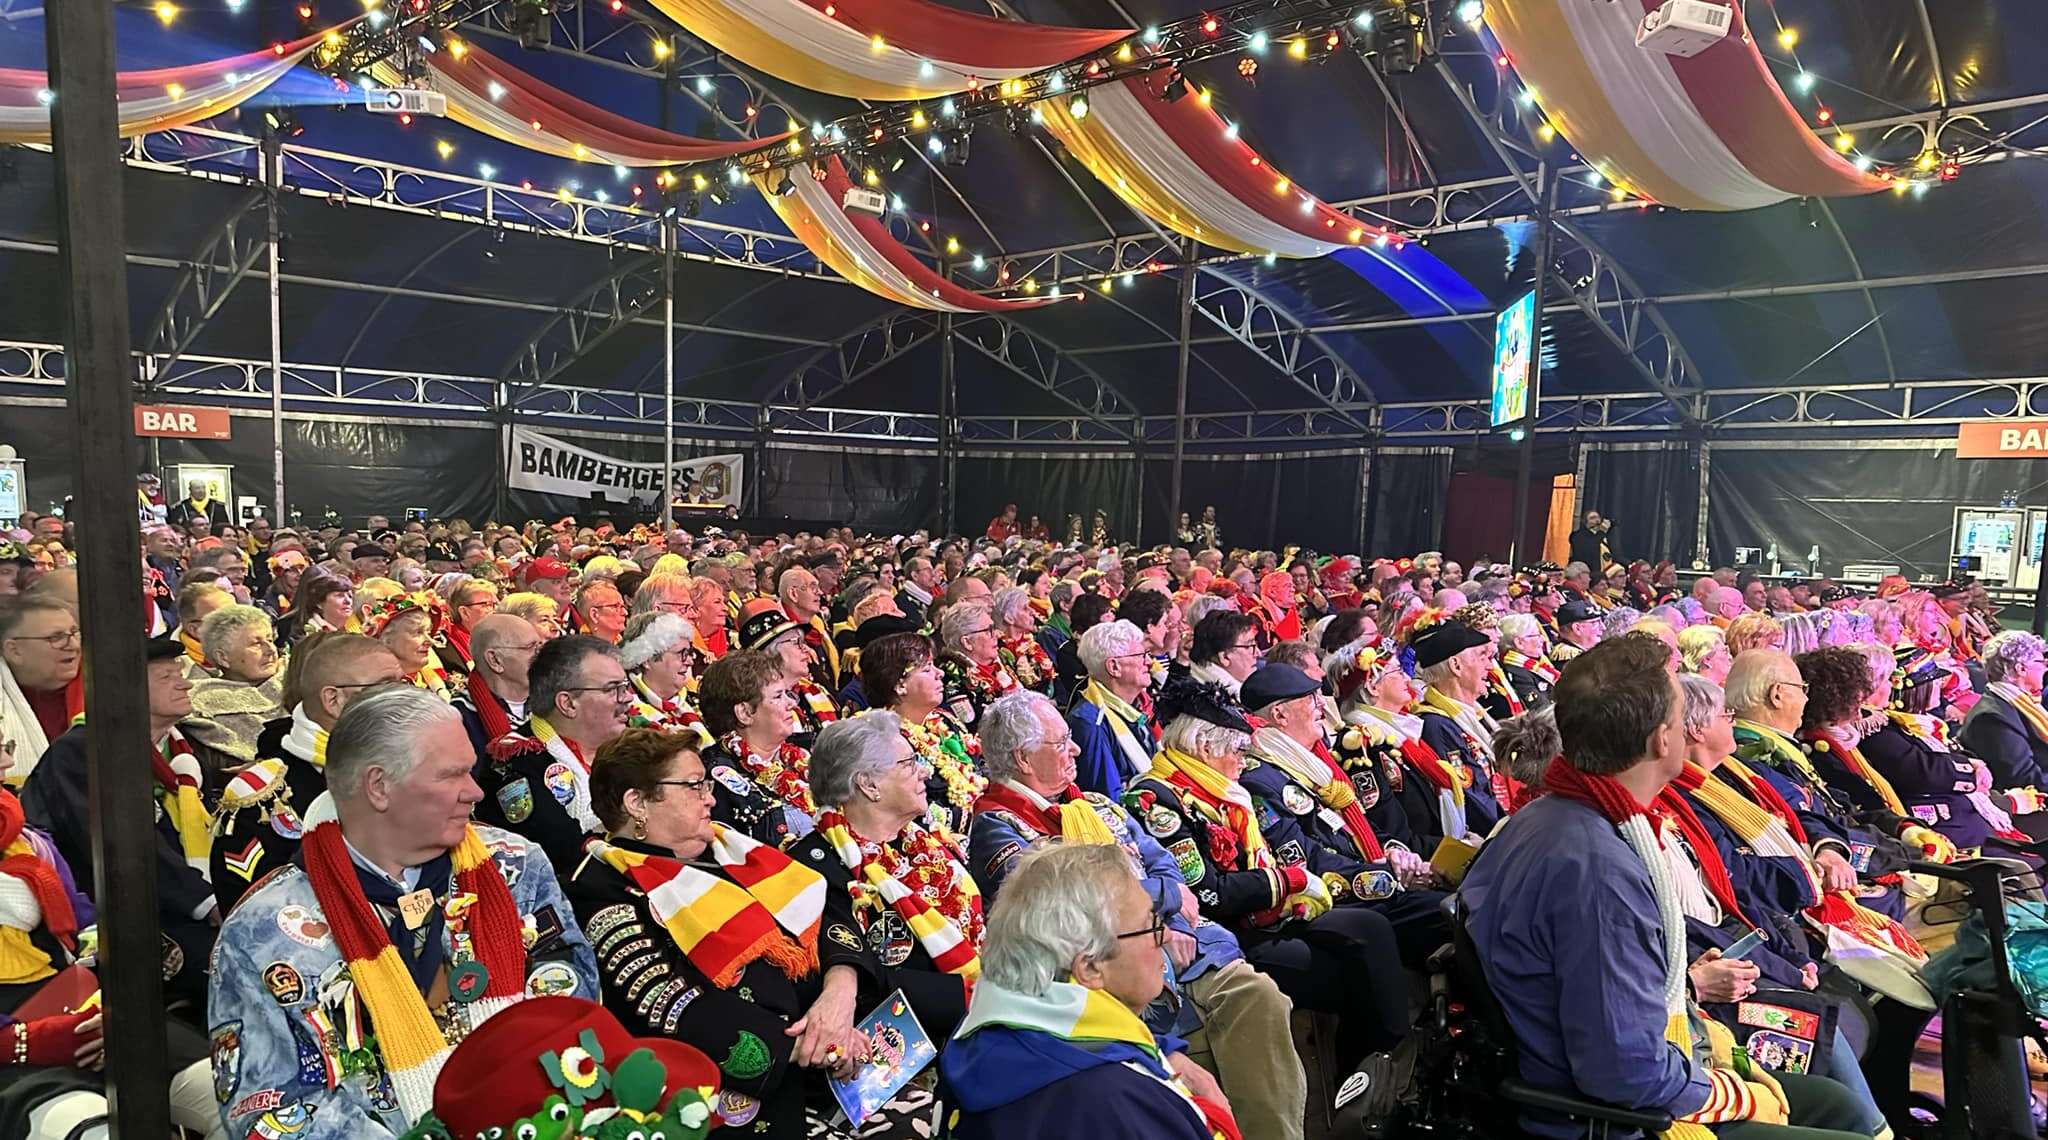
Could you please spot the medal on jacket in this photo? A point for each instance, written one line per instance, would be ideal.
(415, 907)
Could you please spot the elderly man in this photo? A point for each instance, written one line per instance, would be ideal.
(1578, 629)
(493, 702)
(41, 689)
(803, 600)
(602, 610)
(1571, 908)
(198, 503)
(1525, 659)
(425, 916)
(920, 586)
(232, 564)
(260, 817)
(56, 799)
(1725, 606)
(1311, 814)
(1453, 660)
(1113, 734)
(547, 576)
(1028, 755)
(1021, 1064)
(539, 785)
(468, 604)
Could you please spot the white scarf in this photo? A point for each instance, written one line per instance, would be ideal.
(922, 599)
(19, 728)
(305, 737)
(1372, 718)
(1302, 766)
(1476, 722)
(1216, 674)
(578, 806)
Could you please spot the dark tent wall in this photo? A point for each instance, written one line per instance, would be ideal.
(1410, 487)
(1051, 487)
(1262, 501)
(1884, 501)
(1652, 493)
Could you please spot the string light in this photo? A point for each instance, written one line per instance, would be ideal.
(952, 245)
(1152, 35)
(917, 120)
(1803, 81)
(1298, 49)
(497, 90)
(871, 178)
(166, 11)
(457, 48)
(876, 43)
(445, 148)
(1788, 38)
(661, 49)
(486, 171)
(1104, 285)
(1078, 107)
(1471, 12)
(175, 90)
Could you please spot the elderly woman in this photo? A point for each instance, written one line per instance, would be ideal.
(1838, 684)
(1191, 801)
(894, 887)
(772, 997)
(410, 626)
(763, 777)
(766, 628)
(972, 663)
(1082, 945)
(287, 568)
(1703, 652)
(1618, 620)
(544, 612)
(659, 655)
(1754, 631)
(1908, 745)
(898, 676)
(2007, 728)
(712, 622)
(239, 692)
(1017, 640)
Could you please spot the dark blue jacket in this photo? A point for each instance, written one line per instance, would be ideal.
(1934, 786)
(1442, 733)
(1995, 733)
(1102, 766)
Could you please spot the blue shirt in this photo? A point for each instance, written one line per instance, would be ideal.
(1102, 765)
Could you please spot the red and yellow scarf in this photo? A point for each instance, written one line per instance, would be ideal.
(177, 781)
(785, 775)
(21, 960)
(919, 876)
(768, 907)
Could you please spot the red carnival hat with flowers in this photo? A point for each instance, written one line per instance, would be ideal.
(379, 615)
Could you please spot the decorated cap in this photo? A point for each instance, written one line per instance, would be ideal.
(762, 621)
(566, 1066)
(379, 614)
(11, 551)
(540, 569)
(1203, 700)
(285, 560)
(162, 648)
(369, 550)
(1953, 588)
(1916, 667)
(1372, 662)
(1835, 592)
(1273, 683)
(1576, 610)
(1441, 641)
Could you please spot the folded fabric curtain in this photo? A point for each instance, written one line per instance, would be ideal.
(489, 95)
(861, 249)
(1713, 132)
(881, 49)
(157, 99)
(1182, 166)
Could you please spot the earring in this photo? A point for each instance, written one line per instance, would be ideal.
(639, 829)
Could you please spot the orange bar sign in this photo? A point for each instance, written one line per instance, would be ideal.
(176, 422)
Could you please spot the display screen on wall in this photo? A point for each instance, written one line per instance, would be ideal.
(1514, 359)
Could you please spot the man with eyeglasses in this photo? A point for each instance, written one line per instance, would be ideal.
(1113, 734)
(603, 610)
(493, 701)
(803, 599)
(40, 686)
(1225, 649)
(470, 603)
(539, 785)
(261, 815)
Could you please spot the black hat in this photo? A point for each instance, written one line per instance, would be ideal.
(1833, 592)
(1441, 642)
(764, 625)
(1576, 610)
(370, 550)
(162, 648)
(1954, 587)
(1203, 700)
(1916, 667)
(1271, 684)
(880, 626)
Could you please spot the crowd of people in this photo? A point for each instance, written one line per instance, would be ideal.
(606, 819)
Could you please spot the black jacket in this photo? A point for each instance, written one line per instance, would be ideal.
(1995, 733)
(251, 840)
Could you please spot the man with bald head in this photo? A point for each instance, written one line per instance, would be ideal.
(494, 702)
(259, 821)
(803, 599)
(1728, 604)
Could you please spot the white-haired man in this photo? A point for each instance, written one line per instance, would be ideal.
(803, 599)
(1234, 1018)
(399, 908)
(1113, 734)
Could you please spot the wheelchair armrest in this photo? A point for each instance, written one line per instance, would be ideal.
(1443, 959)
(1525, 1095)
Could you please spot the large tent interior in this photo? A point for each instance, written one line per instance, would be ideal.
(1779, 376)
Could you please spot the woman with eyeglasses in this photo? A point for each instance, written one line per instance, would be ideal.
(898, 676)
(897, 888)
(660, 656)
(973, 661)
(544, 612)
(707, 936)
(763, 776)
(411, 626)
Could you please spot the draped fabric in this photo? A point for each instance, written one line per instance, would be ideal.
(489, 95)
(157, 99)
(1653, 495)
(1713, 132)
(861, 249)
(881, 49)
(1182, 166)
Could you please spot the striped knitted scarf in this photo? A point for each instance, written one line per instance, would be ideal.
(1071, 817)
(766, 905)
(20, 960)
(178, 778)
(1319, 772)
(408, 1039)
(947, 922)
(1729, 1097)
(1219, 799)
(1123, 719)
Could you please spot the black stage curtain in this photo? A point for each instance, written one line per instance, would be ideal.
(1309, 501)
(356, 467)
(1408, 496)
(888, 492)
(1653, 496)
(1887, 505)
(1051, 487)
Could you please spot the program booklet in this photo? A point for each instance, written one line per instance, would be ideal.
(901, 1051)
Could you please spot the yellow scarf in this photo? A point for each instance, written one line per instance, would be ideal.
(1852, 759)
(1120, 715)
(1218, 798)
(2027, 705)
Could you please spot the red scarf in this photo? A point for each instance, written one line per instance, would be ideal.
(37, 874)
(1355, 822)
(458, 640)
(1672, 806)
(1419, 757)
(1044, 820)
(1601, 793)
(500, 740)
(1497, 680)
(1540, 666)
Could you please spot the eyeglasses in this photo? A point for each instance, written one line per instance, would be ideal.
(617, 690)
(56, 640)
(975, 632)
(487, 603)
(1246, 645)
(1800, 685)
(701, 786)
(607, 607)
(676, 607)
(1156, 932)
(528, 647)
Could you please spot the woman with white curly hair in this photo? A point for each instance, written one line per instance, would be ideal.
(660, 657)
(2008, 729)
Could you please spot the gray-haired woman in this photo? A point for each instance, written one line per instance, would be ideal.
(2008, 729)
(239, 693)
(972, 663)
(899, 888)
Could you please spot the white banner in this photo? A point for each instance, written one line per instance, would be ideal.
(539, 462)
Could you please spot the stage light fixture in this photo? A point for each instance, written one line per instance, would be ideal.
(692, 206)
(787, 186)
(1078, 107)
(1176, 88)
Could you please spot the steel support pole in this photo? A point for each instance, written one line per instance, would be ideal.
(668, 370)
(100, 382)
(503, 414)
(1518, 546)
(1138, 485)
(949, 406)
(1180, 379)
(273, 182)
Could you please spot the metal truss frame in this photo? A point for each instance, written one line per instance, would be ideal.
(1051, 370)
(852, 358)
(1278, 338)
(1927, 407)
(203, 285)
(622, 297)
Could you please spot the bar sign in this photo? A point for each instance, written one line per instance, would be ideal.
(170, 421)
